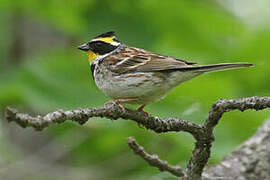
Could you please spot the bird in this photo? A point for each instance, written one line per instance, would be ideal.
(130, 75)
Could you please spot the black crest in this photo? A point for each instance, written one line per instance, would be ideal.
(107, 34)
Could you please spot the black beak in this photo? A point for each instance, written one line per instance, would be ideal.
(84, 47)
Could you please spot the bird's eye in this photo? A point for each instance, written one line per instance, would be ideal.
(99, 44)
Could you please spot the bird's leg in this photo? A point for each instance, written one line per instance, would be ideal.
(141, 109)
(119, 101)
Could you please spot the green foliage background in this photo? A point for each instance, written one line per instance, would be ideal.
(52, 74)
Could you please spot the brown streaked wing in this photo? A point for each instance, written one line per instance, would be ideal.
(134, 59)
(160, 63)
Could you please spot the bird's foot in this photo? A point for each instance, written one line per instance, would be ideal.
(140, 109)
(118, 103)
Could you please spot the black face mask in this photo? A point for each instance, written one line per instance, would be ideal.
(101, 47)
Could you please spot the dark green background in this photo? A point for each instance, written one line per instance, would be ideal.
(41, 70)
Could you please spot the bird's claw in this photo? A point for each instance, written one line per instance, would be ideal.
(140, 109)
(117, 103)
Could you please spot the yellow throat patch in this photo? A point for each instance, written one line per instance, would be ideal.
(92, 56)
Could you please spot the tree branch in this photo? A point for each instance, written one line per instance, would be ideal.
(110, 111)
(203, 134)
(202, 150)
(153, 160)
(222, 106)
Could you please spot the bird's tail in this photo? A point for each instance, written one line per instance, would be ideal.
(215, 67)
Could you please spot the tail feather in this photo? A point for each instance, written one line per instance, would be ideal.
(215, 67)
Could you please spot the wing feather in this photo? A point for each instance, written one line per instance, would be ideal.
(134, 59)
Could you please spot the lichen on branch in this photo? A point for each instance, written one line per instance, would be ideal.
(203, 134)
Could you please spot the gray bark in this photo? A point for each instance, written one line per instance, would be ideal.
(250, 161)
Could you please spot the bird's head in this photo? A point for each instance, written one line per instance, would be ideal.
(100, 45)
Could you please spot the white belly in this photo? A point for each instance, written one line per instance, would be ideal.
(146, 87)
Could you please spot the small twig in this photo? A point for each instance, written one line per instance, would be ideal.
(153, 160)
(222, 106)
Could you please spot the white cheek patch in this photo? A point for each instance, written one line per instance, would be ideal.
(114, 43)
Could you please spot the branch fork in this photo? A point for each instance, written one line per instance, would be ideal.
(203, 134)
